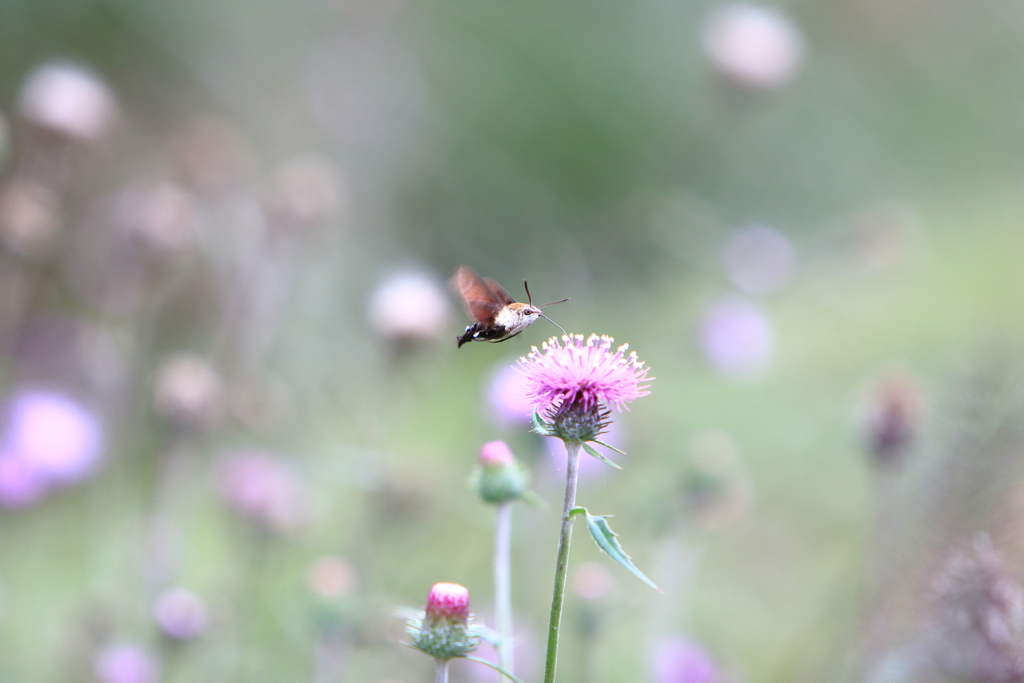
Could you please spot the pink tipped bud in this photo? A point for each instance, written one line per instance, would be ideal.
(445, 629)
(496, 454)
(499, 478)
(448, 602)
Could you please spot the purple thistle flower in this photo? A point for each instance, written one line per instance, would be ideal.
(574, 384)
(678, 660)
(583, 375)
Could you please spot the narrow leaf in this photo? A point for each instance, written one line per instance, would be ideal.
(606, 540)
(590, 449)
(609, 446)
(493, 666)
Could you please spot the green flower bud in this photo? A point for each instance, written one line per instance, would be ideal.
(499, 478)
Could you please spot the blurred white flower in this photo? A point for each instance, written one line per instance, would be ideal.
(736, 337)
(759, 260)
(410, 307)
(180, 614)
(307, 189)
(189, 389)
(754, 46)
(68, 99)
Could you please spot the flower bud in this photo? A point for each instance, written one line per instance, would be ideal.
(445, 629)
(893, 417)
(499, 478)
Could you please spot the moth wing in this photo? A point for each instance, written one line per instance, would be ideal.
(480, 302)
(504, 297)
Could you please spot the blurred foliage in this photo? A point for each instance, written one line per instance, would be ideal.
(195, 268)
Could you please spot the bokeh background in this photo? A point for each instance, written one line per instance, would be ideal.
(237, 432)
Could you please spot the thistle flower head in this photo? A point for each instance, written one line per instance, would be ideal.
(445, 628)
(574, 384)
(499, 478)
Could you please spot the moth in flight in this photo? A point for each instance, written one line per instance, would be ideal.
(498, 316)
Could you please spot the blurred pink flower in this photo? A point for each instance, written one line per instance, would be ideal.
(736, 337)
(754, 46)
(678, 660)
(180, 614)
(126, 664)
(571, 373)
(50, 440)
(759, 260)
(507, 396)
(263, 488)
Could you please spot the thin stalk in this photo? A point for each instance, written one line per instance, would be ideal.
(441, 670)
(503, 586)
(562, 565)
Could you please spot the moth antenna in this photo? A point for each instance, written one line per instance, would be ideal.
(552, 321)
(529, 297)
(552, 303)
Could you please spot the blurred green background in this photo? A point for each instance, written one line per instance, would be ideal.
(226, 229)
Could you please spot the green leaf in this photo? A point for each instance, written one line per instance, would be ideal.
(539, 425)
(607, 541)
(590, 449)
(493, 666)
(609, 446)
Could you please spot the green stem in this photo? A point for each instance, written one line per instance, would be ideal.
(441, 670)
(503, 586)
(562, 565)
